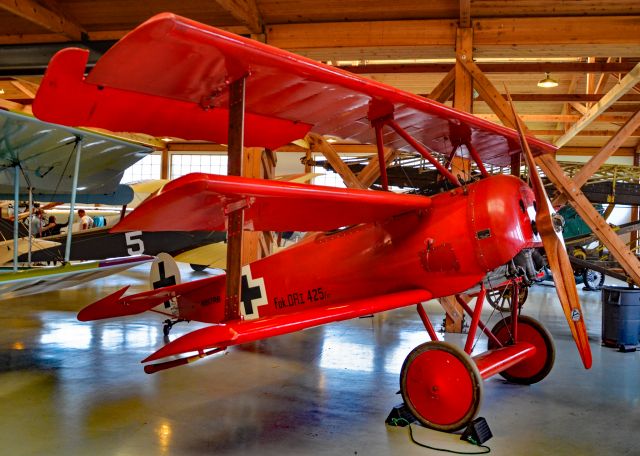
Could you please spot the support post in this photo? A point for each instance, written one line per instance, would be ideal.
(635, 210)
(72, 203)
(164, 163)
(381, 159)
(475, 319)
(426, 322)
(30, 224)
(235, 218)
(16, 204)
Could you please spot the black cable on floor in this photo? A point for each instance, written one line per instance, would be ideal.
(397, 421)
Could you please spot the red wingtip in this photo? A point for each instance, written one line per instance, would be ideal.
(198, 340)
(104, 308)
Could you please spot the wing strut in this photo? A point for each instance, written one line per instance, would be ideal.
(72, 202)
(235, 215)
(382, 163)
(423, 151)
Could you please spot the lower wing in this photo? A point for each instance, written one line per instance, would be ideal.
(240, 332)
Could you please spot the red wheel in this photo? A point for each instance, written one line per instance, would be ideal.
(534, 369)
(441, 385)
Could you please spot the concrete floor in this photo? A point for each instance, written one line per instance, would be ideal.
(71, 388)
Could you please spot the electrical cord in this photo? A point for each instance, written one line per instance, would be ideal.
(397, 421)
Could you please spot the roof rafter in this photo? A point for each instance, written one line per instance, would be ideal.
(625, 84)
(246, 12)
(54, 21)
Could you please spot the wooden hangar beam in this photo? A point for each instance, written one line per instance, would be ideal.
(52, 19)
(493, 37)
(620, 89)
(601, 157)
(246, 12)
(562, 182)
(507, 67)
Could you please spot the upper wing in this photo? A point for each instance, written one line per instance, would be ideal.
(200, 201)
(170, 76)
(46, 155)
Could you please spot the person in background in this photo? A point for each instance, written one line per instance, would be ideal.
(52, 228)
(37, 222)
(86, 222)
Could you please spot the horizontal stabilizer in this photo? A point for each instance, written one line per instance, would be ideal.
(201, 201)
(239, 332)
(115, 305)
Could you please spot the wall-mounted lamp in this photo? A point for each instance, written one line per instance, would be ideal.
(547, 82)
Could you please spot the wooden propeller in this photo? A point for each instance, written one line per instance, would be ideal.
(549, 225)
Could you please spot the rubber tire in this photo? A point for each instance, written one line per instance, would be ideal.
(586, 275)
(539, 337)
(448, 352)
(198, 267)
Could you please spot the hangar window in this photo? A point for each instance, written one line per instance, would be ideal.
(145, 169)
(182, 164)
(328, 177)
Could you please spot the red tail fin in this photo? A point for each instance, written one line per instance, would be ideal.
(195, 298)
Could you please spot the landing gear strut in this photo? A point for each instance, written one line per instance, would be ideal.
(168, 324)
(442, 384)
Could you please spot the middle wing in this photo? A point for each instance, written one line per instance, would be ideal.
(202, 201)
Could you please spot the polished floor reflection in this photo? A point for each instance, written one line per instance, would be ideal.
(72, 388)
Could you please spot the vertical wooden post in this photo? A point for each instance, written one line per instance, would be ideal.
(164, 163)
(252, 158)
(635, 210)
(235, 218)
(463, 94)
(462, 100)
(516, 163)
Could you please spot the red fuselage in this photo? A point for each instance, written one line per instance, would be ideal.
(445, 249)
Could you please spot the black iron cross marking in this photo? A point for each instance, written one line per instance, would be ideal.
(248, 294)
(164, 281)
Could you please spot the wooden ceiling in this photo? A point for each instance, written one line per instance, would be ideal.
(586, 45)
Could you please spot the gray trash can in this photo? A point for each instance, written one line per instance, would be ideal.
(621, 317)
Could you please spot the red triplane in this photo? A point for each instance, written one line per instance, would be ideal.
(374, 250)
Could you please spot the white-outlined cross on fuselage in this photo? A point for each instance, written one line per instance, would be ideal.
(252, 294)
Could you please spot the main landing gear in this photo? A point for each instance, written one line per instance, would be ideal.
(168, 324)
(442, 384)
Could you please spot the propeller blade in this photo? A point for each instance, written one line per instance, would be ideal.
(550, 229)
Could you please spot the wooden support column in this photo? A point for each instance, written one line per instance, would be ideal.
(635, 210)
(601, 157)
(462, 100)
(463, 94)
(235, 217)
(516, 164)
(252, 167)
(164, 163)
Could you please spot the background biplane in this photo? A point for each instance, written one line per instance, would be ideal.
(42, 155)
(376, 250)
